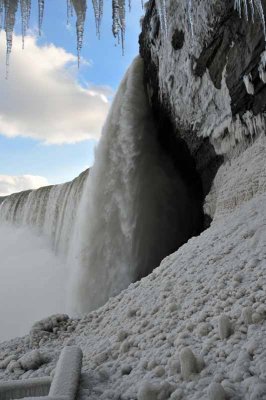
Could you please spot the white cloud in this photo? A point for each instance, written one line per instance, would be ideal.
(12, 184)
(43, 100)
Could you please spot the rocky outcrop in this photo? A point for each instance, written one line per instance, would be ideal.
(196, 82)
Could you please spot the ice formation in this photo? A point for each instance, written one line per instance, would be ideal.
(262, 66)
(98, 12)
(161, 7)
(248, 84)
(243, 7)
(8, 9)
(191, 96)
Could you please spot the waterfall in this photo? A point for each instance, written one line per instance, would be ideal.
(135, 209)
(50, 211)
(115, 225)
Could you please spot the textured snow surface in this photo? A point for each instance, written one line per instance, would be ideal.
(230, 188)
(193, 329)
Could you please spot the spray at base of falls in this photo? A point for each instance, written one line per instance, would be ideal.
(134, 210)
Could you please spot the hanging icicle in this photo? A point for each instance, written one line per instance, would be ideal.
(98, 13)
(8, 9)
(122, 22)
(243, 6)
(11, 7)
(259, 7)
(25, 6)
(115, 16)
(80, 7)
(190, 17)
(41, 12)
(161, 8)
(1, 14)
(69, 11)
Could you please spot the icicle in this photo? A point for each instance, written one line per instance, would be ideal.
(122, 22)
(161, 7)
(262, 65)
(80, 8)
(98, 13)
(68, 11)
(248, 84)
(25, 17)
(11, 7)
(246, 9)
(251, 4)
(190, 18)
(1, 14)
(41, 11)
(115, 16)
(129, 5)
(259, 7)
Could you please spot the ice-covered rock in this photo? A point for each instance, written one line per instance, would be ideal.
(216, 391)
(189, 363)
(31, 360)
(224, 327)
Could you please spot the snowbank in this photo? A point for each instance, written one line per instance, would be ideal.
(208, 297)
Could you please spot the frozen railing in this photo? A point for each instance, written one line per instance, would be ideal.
(29, 387)
(64, 385)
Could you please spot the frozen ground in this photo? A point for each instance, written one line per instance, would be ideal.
(32, 281)
(193, 329)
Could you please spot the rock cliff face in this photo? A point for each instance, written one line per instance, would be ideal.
(196, 82)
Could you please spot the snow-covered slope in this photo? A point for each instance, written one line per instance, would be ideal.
(208, 298)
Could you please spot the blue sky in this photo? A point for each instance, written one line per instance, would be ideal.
(103, 69)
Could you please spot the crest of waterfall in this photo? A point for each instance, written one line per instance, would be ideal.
(135, 208)
(50, 211)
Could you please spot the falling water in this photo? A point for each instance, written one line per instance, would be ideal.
(135, 208)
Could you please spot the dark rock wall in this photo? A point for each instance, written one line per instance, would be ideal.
(227, 41)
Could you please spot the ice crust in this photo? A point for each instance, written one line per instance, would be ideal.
(196, 103)
(209, 297)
